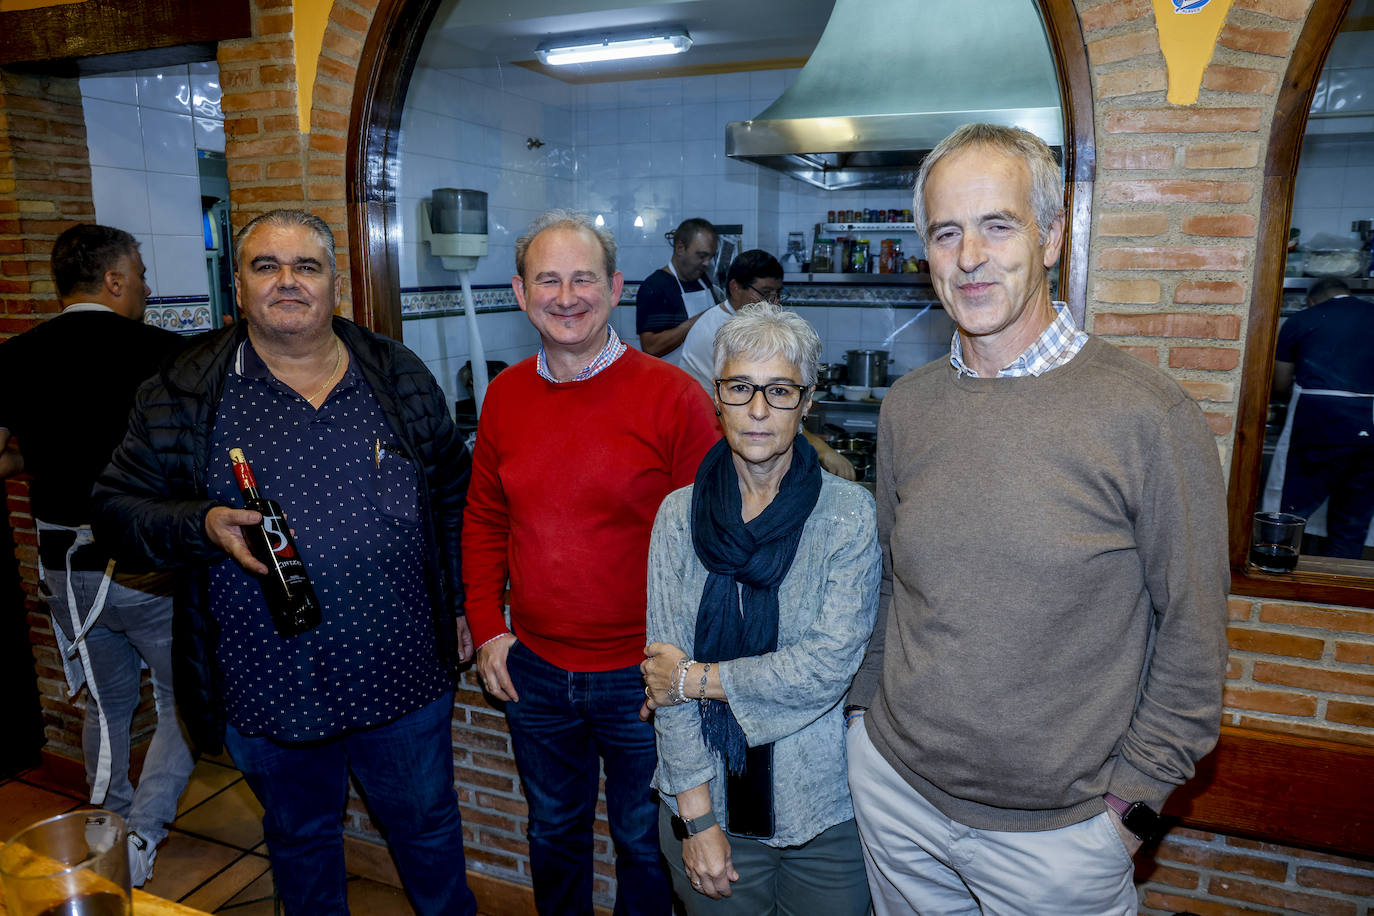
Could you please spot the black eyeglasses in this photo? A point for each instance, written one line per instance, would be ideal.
(735, 392)
(775, 298)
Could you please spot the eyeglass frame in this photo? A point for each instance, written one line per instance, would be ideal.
(801, 393)
(777, 298)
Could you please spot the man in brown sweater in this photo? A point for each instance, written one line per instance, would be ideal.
(1049, 654)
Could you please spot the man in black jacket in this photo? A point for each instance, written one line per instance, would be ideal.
(351, 435)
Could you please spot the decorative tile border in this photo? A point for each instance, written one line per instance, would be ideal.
(433, 302)
(861, 296)
(183, 314)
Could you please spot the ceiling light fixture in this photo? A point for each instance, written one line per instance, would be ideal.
(589, 49)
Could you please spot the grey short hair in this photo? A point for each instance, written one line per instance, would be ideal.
(561, 218)
(286, 219)
(1047, 185)
(762, 330)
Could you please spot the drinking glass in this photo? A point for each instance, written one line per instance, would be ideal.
(1276, 541)
(75, 864)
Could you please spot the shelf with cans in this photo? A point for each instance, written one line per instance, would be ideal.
(871, 248)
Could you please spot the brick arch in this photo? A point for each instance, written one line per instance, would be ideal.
(365, 60)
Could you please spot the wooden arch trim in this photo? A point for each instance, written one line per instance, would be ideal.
(374, 127)
(388, 60)
(1280, 169)
(1065, 35)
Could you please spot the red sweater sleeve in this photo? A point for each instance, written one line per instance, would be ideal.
(486, 531)
(700, 429)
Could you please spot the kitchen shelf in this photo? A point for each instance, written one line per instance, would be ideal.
(868, 227)
(865, 404)
(857, 279)
(1306, 283)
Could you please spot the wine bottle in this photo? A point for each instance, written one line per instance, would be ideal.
(286, 586)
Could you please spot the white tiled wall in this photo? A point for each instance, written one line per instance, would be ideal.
(143, 129)
(1335, 181)
(643, 155)
(467, 128)
(506, 336)
(912, 336)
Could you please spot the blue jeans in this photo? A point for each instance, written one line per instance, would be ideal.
(405, 770)
(564, 722)
(135, 627)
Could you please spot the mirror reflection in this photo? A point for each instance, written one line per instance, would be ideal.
(1322, 411)
(1319, 436)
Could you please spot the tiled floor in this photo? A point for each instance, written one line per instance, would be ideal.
(213, 859)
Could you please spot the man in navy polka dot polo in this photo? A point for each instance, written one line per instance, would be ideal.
(350, 433)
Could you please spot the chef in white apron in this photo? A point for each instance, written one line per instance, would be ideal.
(674, 296)
(1323, 467)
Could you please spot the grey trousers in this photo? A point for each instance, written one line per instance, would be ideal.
(135, 627)
(822, 877)
(920, 861)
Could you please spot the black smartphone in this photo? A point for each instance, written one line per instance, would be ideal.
(749, 795)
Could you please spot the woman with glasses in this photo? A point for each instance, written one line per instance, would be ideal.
(763, 585)
(754, 276)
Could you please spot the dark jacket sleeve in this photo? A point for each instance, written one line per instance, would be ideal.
(148, 507)
(448, 468)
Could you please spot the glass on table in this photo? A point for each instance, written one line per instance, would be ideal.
(75, 864)
(1276, 541)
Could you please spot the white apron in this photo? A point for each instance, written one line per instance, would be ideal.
(78, 668)
(1273, 485)
(695, 303)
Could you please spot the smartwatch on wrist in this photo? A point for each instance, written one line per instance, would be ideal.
(683, 827)
(1137, 817)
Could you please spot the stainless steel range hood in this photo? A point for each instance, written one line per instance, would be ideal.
(890, 78)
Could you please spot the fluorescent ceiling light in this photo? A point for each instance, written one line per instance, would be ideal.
(609, 47)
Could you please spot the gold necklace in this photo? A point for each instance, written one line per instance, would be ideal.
(338, 357)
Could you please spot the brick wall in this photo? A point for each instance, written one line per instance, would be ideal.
(1173, 245)
(271, 163)
(1175, 213)
(1177, 203)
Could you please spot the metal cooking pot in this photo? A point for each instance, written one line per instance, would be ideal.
(867, 368)
(852, 444)
(828, 374)
(862, 461)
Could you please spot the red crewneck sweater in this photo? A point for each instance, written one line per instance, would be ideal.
(566, 481)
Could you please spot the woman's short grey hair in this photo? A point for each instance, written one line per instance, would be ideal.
(286, 219)
(761, 331)
(1047, 184)
(561, 218)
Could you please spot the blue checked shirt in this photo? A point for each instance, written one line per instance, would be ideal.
(1059, 343)
(609, 354)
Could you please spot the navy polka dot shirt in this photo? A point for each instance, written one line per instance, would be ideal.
(352, 499)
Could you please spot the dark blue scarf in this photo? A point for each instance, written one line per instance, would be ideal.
(748, 560)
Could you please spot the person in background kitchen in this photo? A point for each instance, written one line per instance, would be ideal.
(1323, 360)
(66, 387)
(576, 448)
(350, 433)
(763, 585)
(754, 276)
(1049, 656)
(672, 298)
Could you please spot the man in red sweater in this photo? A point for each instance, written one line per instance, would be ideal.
(576, 448)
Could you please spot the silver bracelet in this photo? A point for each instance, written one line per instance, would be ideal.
(701, 695)
(676, 693)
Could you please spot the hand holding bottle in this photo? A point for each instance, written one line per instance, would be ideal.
(224, 527)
